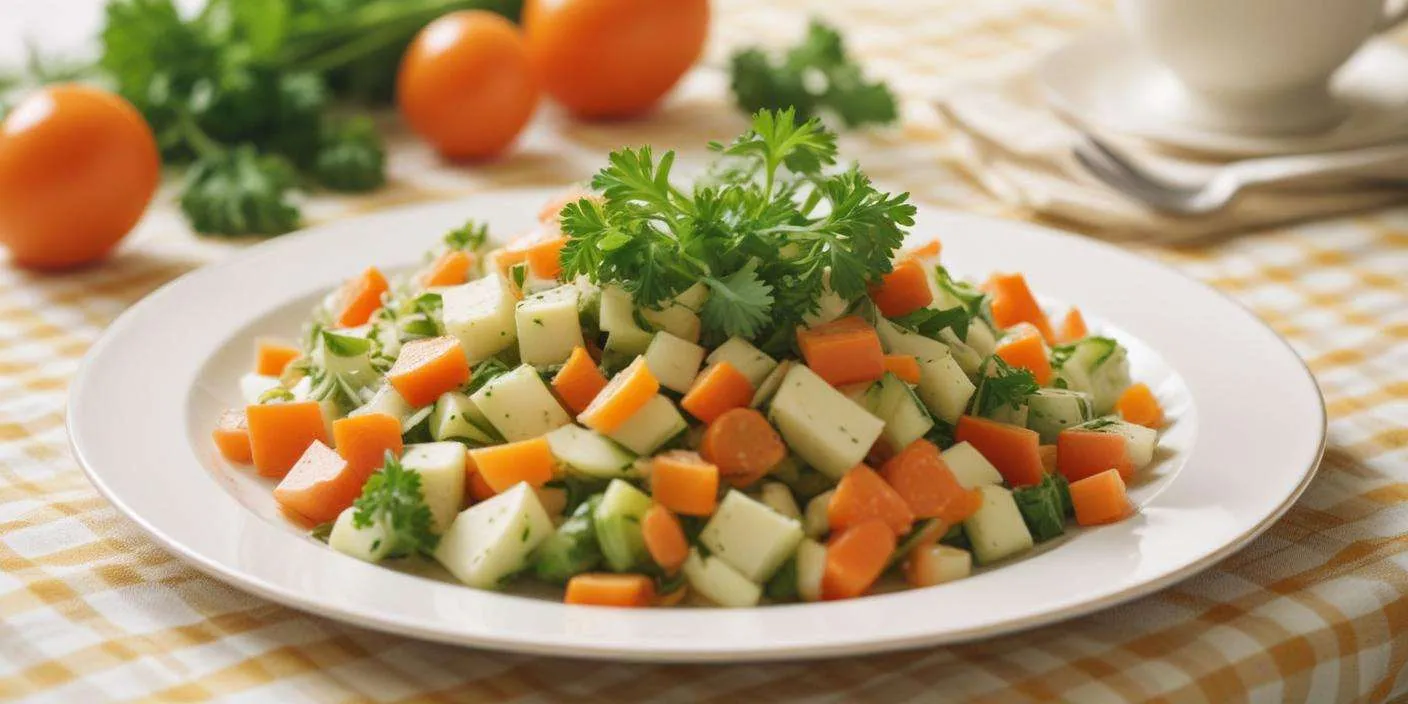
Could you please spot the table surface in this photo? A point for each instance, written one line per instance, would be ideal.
(1315, 610)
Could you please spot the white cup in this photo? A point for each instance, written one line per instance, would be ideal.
(1257, 66)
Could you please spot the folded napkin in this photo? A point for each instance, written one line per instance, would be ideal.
(1018, 148)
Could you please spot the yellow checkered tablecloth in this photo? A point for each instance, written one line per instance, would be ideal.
(1316, 610)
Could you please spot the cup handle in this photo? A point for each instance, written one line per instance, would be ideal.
(1392, 18)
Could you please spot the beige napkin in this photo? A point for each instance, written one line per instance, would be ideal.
(1020, 150)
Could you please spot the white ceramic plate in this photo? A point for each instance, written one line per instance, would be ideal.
(1104, 80)
(149, 391)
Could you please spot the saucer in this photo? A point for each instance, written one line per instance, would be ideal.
(1103, 80)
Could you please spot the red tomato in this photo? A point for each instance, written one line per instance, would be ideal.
(465, 84)
(78, 165)
(613, 58)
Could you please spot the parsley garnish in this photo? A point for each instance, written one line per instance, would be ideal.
(1001, 385)
(484, 372)
(967, 294)
(929, 322)
(393, 497)
(470, 236)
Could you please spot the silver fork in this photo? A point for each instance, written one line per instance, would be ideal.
(1383, 166)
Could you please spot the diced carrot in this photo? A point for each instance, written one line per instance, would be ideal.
(578, 381)
(539, 248)
(280, 432)
(451, 268)
(502, 466)
(364, 441)
(923, 480)
(606, 589)
(231, 436)
(271, 357)
(903, 290)
(1072, 327)
(720, 388)
(475, 488)
(1013, 302)
(553, 207)
(320, 485)
(1138, 405)
(928, 250)
(743, 445)
(1082, 453)
(684, 482)
(855, 559)
(1011, 449)
(1027, 351)
(626, 393)
(360, 297)
(545, 258)
(861, 496)
(1048, 458)
(427, 368)
(1100, 498)
(664, 538)
(904, 366)
(843, 351)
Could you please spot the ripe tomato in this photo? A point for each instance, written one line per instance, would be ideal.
(78, 165)
(465, 84)
(613, 58)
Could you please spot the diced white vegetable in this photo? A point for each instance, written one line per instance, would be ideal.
(455, 416)
(829, 307)
(715, 580)
(1098, 366)
(997, 530)
(816, 522)
(386, 401)
(369, 544)
(655, 424)
(824, 428)
(906, 418)
(618, 319)
(694, 297)
(968, 358)
(492, 539)
(969, 466)
(943, 387)
(590, 454)
(252, 386)
(811, 565)
(347, 355)
(1049, 411)
(981, 337)
(442, 474)
(936, 564)
(674, 361)
(751, 537)
(481, 314)
(771, 384)
(1141, 440)
(747, 359)
(779, 498)
(548, 326)
(519, 405)
(674, 319)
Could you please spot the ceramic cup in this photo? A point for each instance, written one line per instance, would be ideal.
(1257, 66)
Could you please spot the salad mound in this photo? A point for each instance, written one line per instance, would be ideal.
(741, 391)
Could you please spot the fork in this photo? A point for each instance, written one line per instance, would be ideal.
(1126, 175)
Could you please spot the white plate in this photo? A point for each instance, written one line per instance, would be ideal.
(1104, 80)
(1247, 433)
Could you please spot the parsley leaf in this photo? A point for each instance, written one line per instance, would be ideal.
(739, 303)
(470, 237)
(929, 322)
(393, 497)
(1000, 385)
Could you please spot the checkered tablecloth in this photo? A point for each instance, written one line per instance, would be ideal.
(1316, 610)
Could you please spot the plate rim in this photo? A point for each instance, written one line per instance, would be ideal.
(250, 583)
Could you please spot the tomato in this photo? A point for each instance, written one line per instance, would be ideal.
(613, 58)
(78, 165)
(465, 84)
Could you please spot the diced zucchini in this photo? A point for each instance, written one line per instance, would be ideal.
(618, 319)
(369, 544)
(811, 565)
(943, 386)
(1042, 509)
(747, 359)
(997, 530)
(817, 521)
(589, 454)
(715, 580)
(674, 319)
(694, 297)
(771, 383)
(519, 405)
(1049, 411)
(442, 476)
(571, 549)
(491, 540)
(656, 423)
(751, 537)
(820, 424)
(1141, 440)
(937, 564)
(674, 361)
(969, 466)
(617, 523)
(830, 306)
(1098, 366)
(968, 358)
(548, 326)
(779, 498)
(252, 386)
(906, 418)
(981, 338)
(456, 417)
(481, 314)
(386, 401)
(1010, 414)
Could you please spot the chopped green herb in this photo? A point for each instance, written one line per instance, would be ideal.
(1001, 385)
(929, 322)
(394, 497)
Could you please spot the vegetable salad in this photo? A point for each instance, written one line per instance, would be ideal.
(736, 392)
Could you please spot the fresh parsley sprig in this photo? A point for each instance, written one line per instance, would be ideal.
(393, 497)
(1001, 385)
(930, 322)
